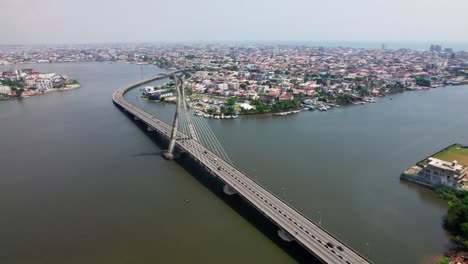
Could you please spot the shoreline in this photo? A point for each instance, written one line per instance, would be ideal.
(447, 190)
(41, 93)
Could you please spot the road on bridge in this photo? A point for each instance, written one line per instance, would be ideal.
(292, 224)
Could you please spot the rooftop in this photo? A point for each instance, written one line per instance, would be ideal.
(445, 165)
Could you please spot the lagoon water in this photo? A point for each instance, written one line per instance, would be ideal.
(80, 183)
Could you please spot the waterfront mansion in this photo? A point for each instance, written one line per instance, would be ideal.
(440, 172)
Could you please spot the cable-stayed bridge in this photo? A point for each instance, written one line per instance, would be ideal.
(191, 135)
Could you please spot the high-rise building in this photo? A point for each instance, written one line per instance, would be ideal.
(435, 48)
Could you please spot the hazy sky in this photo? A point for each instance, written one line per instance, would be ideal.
(94, 21)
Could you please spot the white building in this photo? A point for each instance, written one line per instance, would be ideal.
(43, 84)
(223, 86)
(440, 172)
(246, 106)
(148, 90)
(4, 89)
(233, 86)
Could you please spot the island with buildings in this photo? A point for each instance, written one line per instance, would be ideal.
(27, 82)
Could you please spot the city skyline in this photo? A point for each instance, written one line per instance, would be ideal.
(61, 22)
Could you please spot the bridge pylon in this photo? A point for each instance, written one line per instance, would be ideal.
(179, 84)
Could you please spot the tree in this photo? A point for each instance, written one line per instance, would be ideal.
(423, 82)
(445, 260)
(230, 110)
(363, 90)
(189, 92)
(12, 84)
(231, 101)
(187, 75)
(19, 92)
(342, 98)
(457, 215)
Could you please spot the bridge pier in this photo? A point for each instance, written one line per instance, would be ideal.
(229, 190)
(135, 118)
(285, 235)
(151, 128)
(170, 156)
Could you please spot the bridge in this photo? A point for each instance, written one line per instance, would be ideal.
(292, 225)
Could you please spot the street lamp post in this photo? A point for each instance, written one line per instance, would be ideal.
(320, 218)
(283, 189)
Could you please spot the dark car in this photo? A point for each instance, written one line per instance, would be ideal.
(340, 248)
(219, 168)
(330, 244)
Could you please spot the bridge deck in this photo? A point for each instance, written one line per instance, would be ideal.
(311, 236)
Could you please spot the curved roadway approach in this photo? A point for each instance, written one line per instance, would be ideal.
(292, 224)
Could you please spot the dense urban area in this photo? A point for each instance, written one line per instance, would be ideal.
(262, 79)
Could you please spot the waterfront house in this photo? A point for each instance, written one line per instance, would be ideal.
(440, 172)
(286, 97)
(4, 89)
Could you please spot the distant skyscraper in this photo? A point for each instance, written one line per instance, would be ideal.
(448, 50)
(435, 48)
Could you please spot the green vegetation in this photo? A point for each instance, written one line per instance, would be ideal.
(231, 68)
(231, 101)
(343, 98)
(445, 260)
(189, 92)
(210, 111)
(422, 82)
(12, 84)
(19, 92)
(230, 110)
(455, 152)
(457, 215)
(205, 96)
(363, 91)
(285, 105)
(266, 106)
(398, 86)
(187, 75)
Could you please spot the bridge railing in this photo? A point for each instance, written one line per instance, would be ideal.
(134, 85)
